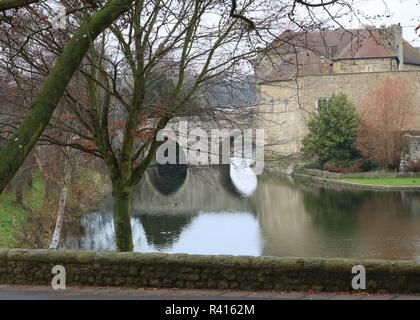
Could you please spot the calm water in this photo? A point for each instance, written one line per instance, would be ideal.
(284, 217)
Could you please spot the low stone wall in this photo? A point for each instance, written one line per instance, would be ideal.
(370, 174)
(334, 179)
(33, 267)
(328, 181)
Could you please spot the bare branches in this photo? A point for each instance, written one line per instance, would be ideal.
(161, 60)
(16, 150)
(233, 14)
(15, 4)
(322, 3)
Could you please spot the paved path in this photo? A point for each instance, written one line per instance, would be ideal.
(46, 293)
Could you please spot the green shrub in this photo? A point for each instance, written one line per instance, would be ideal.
(332, 132)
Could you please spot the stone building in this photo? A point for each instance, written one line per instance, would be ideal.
(299, 70)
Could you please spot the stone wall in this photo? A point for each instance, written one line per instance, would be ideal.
(370, 174)
(286, 105)
(411, 152)
(33, 267)
(365, 65)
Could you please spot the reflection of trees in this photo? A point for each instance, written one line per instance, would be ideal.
(162, 231)
(93, 231)
(334, 211)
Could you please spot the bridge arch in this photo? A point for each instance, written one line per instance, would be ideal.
(169, 178)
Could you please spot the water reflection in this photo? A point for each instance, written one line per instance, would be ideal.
(162, 231)
(284, 217)
(204, 233)
(169, 178)
(332, 211)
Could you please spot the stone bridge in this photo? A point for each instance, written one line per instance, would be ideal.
(190, 195)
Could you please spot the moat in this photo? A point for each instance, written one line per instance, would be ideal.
(283, 217)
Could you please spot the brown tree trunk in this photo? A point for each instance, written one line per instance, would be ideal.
(121, 194)
(19, 193)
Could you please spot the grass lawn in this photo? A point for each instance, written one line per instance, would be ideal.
(398, 182)
(12, 214)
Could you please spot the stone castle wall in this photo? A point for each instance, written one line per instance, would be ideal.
(285, 106)
(365, 65)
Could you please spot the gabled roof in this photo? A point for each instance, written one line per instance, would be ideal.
(366, 44)
(411, 54)
(299, 53)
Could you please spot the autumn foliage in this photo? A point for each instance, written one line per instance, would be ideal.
(382, 118)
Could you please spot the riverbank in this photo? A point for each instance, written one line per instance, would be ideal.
(12, 213)
(30, 224)
(385, 182)
(378, 180)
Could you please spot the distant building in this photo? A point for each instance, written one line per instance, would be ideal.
(299, 70)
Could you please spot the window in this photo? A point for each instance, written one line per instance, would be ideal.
(332, 50)
(320, 101)
(394, 65)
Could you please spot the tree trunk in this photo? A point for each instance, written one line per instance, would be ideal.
(21, 143)
(19, 193)
(39, 163)
(48, 190)
(30, 180)
(61, 205)
(121, 211)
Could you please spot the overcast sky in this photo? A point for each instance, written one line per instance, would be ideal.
(406, 12)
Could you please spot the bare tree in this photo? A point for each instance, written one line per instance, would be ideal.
(382, 119)
(24, 139)
(18, 147)
(151, 65)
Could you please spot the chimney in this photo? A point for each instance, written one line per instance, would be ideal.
(398, 43)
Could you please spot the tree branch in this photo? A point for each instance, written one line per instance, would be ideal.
(22, 142)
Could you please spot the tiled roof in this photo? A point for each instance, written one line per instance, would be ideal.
(365, 44)
(299, 53)
(411, 54)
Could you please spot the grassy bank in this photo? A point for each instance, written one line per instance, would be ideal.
(386, 182)
(12, 213)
